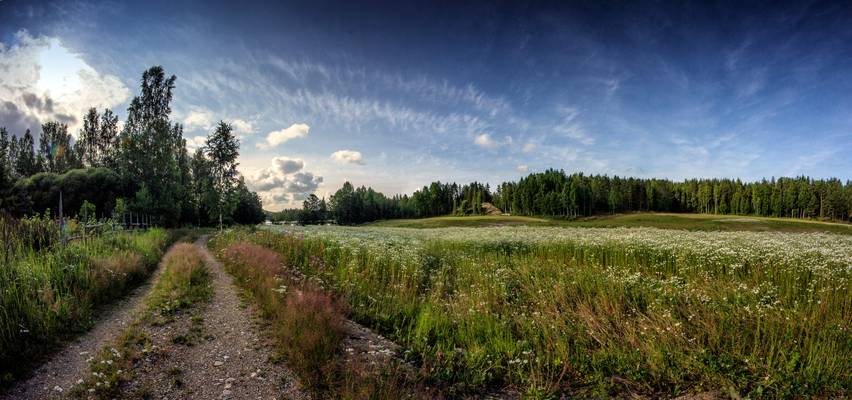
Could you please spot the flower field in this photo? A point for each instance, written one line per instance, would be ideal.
(595, 312)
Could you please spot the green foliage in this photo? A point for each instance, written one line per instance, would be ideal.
(590, 312)
(223, 149)
(120, 208)
(313, 211)
(248, 208)
(554, 193)
(25, 162)
(52, 292)
(55, 151)
(87, 213)
(39, 192)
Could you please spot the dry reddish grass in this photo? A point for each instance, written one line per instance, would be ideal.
(307, 323)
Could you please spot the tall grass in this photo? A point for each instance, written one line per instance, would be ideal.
(597, 312)
(50, 292)
(307, 323)
(184, 281)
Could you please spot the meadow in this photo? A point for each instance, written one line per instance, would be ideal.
(695, 222)
(593, 311)
(51, 292)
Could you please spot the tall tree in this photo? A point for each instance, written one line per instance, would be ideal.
(55, 151)
(5, 169)
(87, 141)
(107, 143)
(203, 196)
(150, 146)
(223, 149)
(26, 162)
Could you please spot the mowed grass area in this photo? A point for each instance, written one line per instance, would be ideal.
(696, 222)
(594, 312)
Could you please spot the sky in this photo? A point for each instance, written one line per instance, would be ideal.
(397, 94)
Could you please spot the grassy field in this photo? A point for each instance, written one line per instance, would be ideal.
(697, 222)
(51, 292)
(595, 312)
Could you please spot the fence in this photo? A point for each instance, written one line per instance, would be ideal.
(20, 235)
(124, 222)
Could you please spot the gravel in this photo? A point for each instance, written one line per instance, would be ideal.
(226, 356)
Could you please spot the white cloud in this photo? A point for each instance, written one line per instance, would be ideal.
(484, 140)
(528, 147)
(195, 142)
(348, 156)
(198, 119)
(43, 80)
(522, 168)
(284, 182)
(242, 127)
(275, 138)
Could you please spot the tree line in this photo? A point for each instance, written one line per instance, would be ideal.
(555, 193)
(143, 163)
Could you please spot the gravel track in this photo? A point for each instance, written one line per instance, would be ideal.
(222, 354)
(225, 357)
(62, 370)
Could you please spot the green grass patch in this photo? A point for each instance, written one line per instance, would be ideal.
(694, 222)
(51, 294)
(185, 281)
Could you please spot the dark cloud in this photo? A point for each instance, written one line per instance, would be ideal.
(46, 106)
(303, 182)
(287, 165)
(33, 101)
(16, 121)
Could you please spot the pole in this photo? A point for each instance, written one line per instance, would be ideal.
(61, 220)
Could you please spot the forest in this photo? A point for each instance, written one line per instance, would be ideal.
(555, 193)
(142, 165)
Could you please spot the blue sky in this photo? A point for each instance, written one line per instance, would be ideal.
(395, 95)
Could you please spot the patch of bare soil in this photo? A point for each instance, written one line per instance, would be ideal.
(490, 209)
